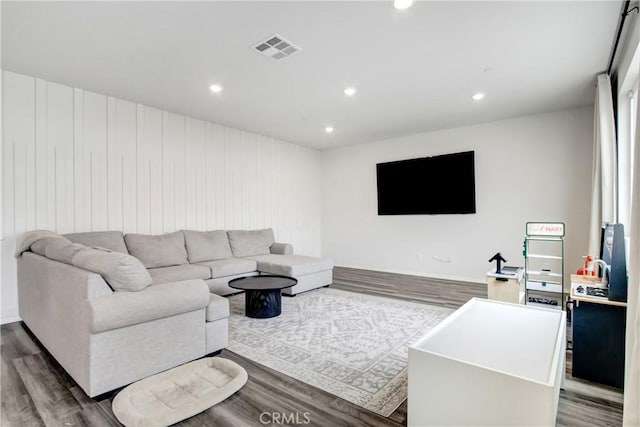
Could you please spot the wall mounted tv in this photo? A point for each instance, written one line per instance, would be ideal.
(429, 185)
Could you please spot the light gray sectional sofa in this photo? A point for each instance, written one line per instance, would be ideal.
(219, 256)
(114, 308)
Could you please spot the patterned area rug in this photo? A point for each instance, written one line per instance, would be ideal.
(349, 344)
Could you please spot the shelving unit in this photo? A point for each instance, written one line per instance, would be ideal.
(544, 264)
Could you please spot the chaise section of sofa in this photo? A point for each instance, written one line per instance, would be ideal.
(278, 258)
(310, 272)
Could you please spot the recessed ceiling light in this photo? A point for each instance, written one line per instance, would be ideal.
(402, 4)
(478, 96)
(328, 129)
(215, 88)
(350, 91)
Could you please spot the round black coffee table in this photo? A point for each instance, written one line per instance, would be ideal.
(263, 298)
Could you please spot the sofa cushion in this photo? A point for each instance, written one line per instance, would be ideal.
(62, 250)
(179, 272)
(121, 271)
(122, 309)
(40, 246)
(292, 265)
(207, 245)
(158, 251)
(230, 266)
(218, 308)
(113, 240)
(250, 242)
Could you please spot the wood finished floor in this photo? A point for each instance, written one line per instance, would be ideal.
(36, 391)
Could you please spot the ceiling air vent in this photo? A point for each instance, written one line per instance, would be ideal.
(276, 47)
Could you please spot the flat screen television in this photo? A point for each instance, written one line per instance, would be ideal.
(428, 185)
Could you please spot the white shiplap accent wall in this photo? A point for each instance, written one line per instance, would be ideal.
(77, 161)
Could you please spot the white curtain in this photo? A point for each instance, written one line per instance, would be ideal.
(631, 414)
(604, 164)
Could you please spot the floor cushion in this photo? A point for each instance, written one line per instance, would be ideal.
(179, 393)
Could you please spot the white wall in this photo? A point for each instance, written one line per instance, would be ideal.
(77, 161)
(535, 168)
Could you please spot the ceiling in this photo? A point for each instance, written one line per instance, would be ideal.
(414, 70)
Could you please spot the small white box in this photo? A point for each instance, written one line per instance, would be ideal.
(490, 363)
(506, 287)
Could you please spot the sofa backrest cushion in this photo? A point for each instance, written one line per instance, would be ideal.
(113, 240)
(250, 242)
(158, 251)
(122, 272)
(62, 250)
(207, 245)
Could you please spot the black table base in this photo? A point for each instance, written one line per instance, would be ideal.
(263, 298)
(263, 304)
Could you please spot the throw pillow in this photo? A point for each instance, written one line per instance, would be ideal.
(207, 245)
(157, 251)
(62, 250)
(250, 242)
(113, 240)
(40, 246)
(121, 271)
(32, 237)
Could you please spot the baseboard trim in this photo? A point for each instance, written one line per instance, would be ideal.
(10, 319)
(417, 273)
(9, 315)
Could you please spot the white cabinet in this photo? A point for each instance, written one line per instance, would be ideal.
(544, 264)
(489, 363)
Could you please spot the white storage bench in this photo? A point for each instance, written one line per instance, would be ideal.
(490, 363)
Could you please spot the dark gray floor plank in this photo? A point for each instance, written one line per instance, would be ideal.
(19, 410)
(51, 396)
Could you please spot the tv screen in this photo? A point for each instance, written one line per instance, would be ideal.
(428, 185)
